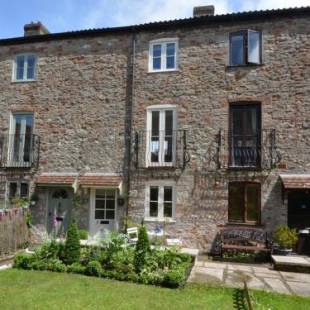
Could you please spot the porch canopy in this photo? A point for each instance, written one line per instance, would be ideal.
(76, 180)
(297, 181)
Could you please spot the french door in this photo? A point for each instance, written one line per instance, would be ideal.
(20, 139)
(161, 137)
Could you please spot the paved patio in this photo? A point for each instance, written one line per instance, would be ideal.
(259, 277)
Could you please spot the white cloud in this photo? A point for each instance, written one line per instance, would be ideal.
(128, 12)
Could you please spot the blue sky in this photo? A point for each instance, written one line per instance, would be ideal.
(67, 15)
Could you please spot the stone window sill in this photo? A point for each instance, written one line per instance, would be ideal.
(159, 220)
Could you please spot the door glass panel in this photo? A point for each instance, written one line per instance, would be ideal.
(236, 202)
(110, 204)
(252, 202)
(155, 137)
(253, 47)
(99, 214)
(236, 49)
(168, 136)
(110, 214)
(105, 204)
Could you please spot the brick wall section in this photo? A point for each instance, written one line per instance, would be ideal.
(202, 90)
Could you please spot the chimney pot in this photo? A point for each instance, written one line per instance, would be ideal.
(34, 29)
(207, 10)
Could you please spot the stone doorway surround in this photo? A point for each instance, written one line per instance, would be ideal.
(261, 277)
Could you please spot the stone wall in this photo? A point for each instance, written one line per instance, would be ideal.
(202, 90)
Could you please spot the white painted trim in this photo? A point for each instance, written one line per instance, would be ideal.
(161, 184)
(161, 109)
(14, 67)
(163, 42)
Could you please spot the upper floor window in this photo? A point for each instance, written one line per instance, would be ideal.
(245, 135)
(161, 136)
(245, 48)
(25, 67)
(163, 55)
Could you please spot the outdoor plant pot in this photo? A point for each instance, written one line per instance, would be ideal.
(282, 251)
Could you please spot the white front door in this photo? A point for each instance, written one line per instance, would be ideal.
(103, 214)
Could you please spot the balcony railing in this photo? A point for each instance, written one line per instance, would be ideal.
(19, 151)
(163, 149)
(248, 151)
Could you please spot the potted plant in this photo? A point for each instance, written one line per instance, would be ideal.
(285, 238)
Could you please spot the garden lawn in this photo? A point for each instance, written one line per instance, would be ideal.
(21, 289)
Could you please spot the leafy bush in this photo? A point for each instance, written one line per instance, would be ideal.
(72, 245)
(50, 250)
(57, 266)
(23, 260)
(76, 268)
(175, 277)
(83, 234)
(39, 265)
(285, 237)
(93, 268)
(142, 249)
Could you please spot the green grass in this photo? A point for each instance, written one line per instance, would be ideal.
(20, 289)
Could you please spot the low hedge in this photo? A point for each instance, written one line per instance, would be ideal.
(167, 268)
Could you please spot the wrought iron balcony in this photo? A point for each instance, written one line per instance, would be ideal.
(19, 150)
(248, 151)
(163, 149)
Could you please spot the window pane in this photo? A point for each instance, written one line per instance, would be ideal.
(31, 61)
(155, 123)
(20, 67)
(100, 204)
(252, 208)
(24, 190)
(110, 204)
(168, 209)
(236, 202)
(110, 214)
(236, 49)
(154, 209)
(110, 193)
(19, 73)
(30, 73)
(168, 122)
(13, 190)
(167, 193)
(170, 62)
(170, 49)
(99, 214)
(156, 63)
(154, 193)
(254, 47)
(156, 50)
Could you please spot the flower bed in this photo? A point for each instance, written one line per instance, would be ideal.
(115, 259)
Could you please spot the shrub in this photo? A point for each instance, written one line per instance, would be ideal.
(39, 265)
(93, 268)
(142, 249)
(57, 266)
(285, 237)
(76, 268)
(72, 245)
(175, 277)
(23, 260)
(83, 234)
(50, 250)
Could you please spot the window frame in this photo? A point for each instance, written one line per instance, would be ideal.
(245, 185)
(245, 34)
(25, 79)
(161, 109)
(18, 189)
(161, 185)
(244, 105)
(105, 208)
(163, 42)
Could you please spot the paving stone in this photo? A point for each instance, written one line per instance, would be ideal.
(278, 286)
(297, 277)
(239, 267)
(300, 288)
(215, 265)
(268, 275)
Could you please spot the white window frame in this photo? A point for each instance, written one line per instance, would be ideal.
(18, 182)
(163, 43)
(161, 109)
(25, 79)
(160, 218)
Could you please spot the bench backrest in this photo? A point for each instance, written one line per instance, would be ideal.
(243, 234)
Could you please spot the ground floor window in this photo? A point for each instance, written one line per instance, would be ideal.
(244, 203)
(17, 189)
(160, 201)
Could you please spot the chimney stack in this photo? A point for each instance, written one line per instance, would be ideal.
(35, 29)
(207, 10)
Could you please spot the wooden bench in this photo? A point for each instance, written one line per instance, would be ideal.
(244, 239)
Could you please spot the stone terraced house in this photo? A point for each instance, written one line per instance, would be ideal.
(188, 125)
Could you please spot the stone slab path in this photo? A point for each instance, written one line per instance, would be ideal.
(259, 277)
